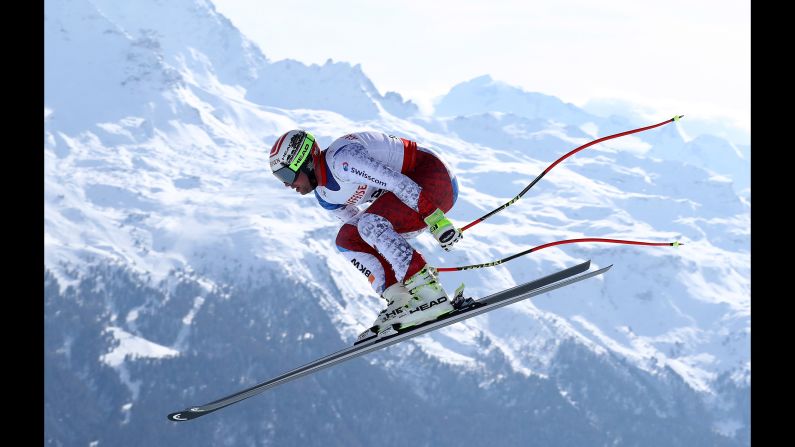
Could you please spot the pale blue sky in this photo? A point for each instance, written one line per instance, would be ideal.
(676, 56)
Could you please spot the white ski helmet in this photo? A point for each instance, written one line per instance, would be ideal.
(293, 152)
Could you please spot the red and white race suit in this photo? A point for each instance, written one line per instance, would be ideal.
(403, 184)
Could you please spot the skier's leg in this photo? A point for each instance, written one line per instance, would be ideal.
(377, 270)
(378, 232)
(364, 257)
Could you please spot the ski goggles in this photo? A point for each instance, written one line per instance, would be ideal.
(287, 174)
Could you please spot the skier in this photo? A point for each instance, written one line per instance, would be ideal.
(410, 188)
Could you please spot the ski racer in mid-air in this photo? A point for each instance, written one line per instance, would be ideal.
(408, 188)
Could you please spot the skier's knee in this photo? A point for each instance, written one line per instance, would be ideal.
(346, 236)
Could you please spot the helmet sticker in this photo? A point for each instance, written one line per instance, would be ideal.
(306, 147)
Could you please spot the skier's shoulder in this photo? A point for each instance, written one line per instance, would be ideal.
(369, 140)
(346, 143)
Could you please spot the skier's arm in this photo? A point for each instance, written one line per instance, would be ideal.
(352, 163)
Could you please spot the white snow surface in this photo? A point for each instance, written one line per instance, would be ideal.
(158, 121)
(135, 347)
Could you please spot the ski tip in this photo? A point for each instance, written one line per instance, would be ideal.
(178, 417)
(184, 415)
(676, 244)
(677, 117)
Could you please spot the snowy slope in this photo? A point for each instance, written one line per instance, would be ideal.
(157, 122)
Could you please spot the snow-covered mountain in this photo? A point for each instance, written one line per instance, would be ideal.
(178, 269)
(486, 94)
(523, 114)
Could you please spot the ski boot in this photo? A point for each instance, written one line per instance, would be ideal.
(429, 300)
(398, 299)
(418, 300)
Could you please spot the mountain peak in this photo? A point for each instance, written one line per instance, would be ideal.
(481, 80)
(484, 94)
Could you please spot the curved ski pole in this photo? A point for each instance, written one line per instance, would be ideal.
(549, 168)
(551, 244)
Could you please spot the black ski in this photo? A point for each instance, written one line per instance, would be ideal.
(477, 307)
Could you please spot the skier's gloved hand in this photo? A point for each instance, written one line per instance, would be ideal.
(442, 229)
